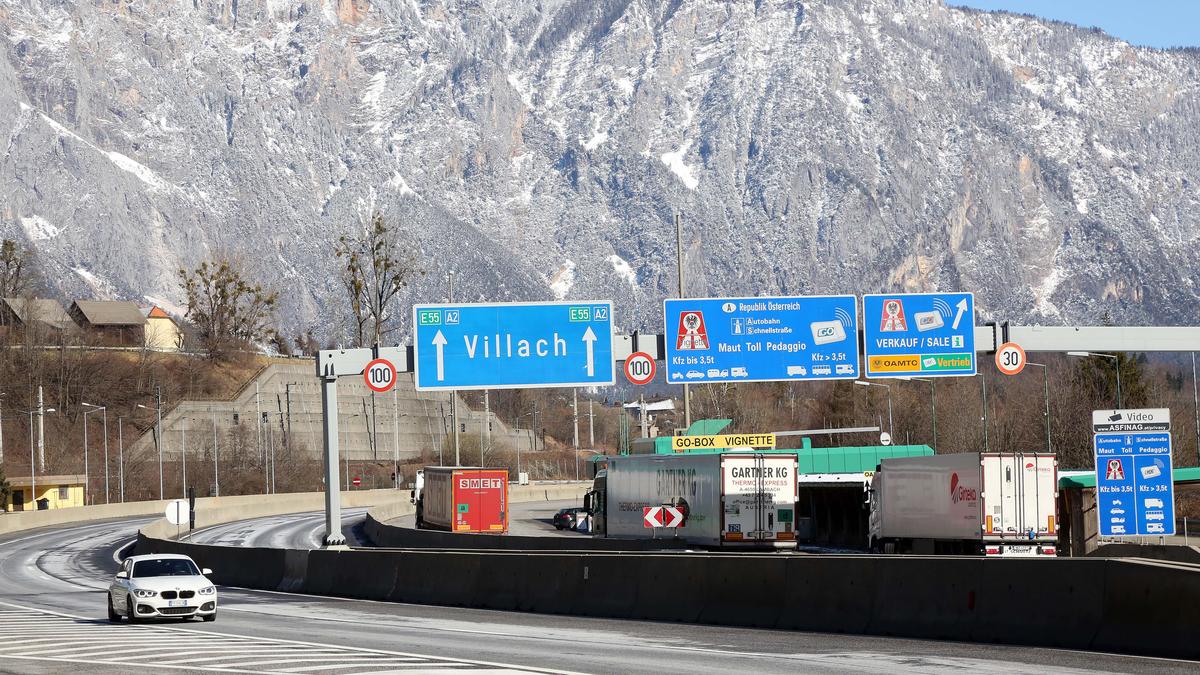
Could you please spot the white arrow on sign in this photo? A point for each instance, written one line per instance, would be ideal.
(439, 341)
(962, 309)
(675, 516)
(652, 516)
(589, 338)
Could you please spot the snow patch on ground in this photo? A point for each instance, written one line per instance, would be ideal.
(1081, 205)
(397, 182)
(38, 228)
(1042, 293)
(625, 85)
(522, 91)
(623, 270)
(99, 285)
(562, 279)
(165, 305)
(674, 160)
(596, 141)
(374, 90)
(140, 170)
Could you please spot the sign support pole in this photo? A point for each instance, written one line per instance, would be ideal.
(333, 496)
(687, 393)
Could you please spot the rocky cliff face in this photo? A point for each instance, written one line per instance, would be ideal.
(539, 150)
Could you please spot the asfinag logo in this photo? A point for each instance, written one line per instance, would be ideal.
(959, 493)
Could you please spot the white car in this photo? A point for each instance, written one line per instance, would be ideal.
(161, 586)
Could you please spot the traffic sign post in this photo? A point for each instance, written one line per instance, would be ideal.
(761, 339)
(513, 345)
(1135, 491)
(640, 368)
(1010, 358)
(919, 334)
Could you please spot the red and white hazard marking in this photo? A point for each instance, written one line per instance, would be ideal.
(661, 516)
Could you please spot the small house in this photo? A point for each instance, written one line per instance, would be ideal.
(162, 332)
(44, 315)
(113, 322)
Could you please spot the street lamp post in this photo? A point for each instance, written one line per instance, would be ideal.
(39, 411)
(121, 455)
(1046, 395)
(104, 414)
(1116, 366)
(986, 444)
(932, 403)
(158, 411)
(865, 383)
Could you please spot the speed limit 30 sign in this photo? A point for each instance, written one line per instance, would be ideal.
(380, 375)
(639, 368)
(1010, 358)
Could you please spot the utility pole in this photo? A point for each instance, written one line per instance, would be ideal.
(395, 439)
(161, 441)
(2, 437)
(41, 433)
(454, 393)
(104, 416)
(986, 446)
(591, 426)
(216, 455)
(642, 412)
(262, 454)
(487, 418)
(687, 392)
(183, 454)
(121, 455)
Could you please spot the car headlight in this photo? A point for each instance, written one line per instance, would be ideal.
(143, 593)
(208, 590)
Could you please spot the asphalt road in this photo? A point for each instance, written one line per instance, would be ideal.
(300, 530)
(525, 518)
(52, 600)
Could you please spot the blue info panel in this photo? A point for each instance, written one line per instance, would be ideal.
(761, 339)
(1135, 494)
(919, 334)
(513, 345)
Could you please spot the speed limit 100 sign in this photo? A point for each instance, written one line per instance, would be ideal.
(380, 375)
(1010, 358)
(639, 368)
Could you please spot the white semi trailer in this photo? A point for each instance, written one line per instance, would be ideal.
(996, 504)
(729, 500)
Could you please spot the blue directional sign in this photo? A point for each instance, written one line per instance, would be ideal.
(919, 334)
(1135, 494)
(513, 345)
(761, 339)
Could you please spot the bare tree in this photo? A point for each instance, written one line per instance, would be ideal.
(15, 278)
(374, 271)
(226, 308)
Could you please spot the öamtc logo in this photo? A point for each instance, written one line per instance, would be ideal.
(958, 493)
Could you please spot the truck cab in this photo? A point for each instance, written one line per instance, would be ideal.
(595, 503)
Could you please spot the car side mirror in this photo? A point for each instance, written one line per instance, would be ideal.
(122, 574)
(206, 571)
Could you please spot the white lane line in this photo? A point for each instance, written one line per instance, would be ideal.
(262, 650)
(280, 643)
(346, 663)
(151, 667)
(335, 667)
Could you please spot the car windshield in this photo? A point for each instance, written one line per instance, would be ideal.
(164, 567)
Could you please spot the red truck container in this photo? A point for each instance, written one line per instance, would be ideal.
(463, 499)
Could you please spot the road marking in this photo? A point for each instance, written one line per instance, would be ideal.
(96, 641)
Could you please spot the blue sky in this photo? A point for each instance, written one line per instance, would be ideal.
(1147, 23)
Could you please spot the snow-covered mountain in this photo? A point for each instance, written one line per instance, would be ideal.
(539, 149)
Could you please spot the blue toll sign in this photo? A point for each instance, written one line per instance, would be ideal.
(513, 345)
(1135, 494)
(761, 339)
(919, 334)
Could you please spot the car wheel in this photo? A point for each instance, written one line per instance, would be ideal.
(132, 609)
(210, 617)
(112, 613)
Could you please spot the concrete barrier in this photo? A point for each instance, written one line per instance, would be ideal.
(1183, 554)
(1140, 607)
